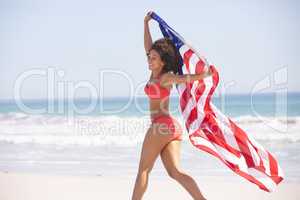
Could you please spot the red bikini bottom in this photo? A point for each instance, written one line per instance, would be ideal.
(168, 125)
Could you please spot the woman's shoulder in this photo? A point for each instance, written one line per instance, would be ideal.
(165, 78)
(170, 73)
(167, 75)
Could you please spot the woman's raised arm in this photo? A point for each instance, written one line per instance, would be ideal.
(147, 34)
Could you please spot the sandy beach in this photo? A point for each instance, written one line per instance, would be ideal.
(29, 186)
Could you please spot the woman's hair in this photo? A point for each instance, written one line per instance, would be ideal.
(168, 54)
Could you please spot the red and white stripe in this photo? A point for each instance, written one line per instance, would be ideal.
(211, 131)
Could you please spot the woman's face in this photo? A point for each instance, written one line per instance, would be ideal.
(154, 60)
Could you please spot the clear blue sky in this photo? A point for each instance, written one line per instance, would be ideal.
(246, 40)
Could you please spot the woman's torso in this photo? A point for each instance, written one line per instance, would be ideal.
(158, 97)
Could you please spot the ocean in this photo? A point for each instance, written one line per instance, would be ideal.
(103, 137)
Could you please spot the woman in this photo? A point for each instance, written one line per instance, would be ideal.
(165, 134)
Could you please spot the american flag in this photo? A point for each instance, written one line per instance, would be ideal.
(209, 129)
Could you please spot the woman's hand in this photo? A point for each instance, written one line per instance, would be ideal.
(148, 17)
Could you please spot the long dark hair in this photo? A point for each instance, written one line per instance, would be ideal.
(168, 54)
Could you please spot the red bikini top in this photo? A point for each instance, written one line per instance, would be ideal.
(156, 91)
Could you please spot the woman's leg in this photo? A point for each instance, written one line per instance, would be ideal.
(170, 157)
(152, 146)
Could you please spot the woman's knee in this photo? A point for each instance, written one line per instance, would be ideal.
(175, 173)
(144, 171)
(145, 167)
